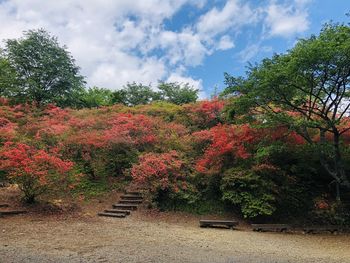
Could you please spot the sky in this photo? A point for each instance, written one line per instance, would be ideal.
(189, 41)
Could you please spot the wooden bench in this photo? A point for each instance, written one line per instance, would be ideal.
(212, 223)
(319, 229)
(12, 212)
(271, 227)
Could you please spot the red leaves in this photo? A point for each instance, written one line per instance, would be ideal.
(164, 171)
(20, 160)
(224, 141)
(205, 113)
(136, 129)
(7, 129)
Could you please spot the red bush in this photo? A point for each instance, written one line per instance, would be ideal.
(160, 171)
(224, 141)
(34, 170)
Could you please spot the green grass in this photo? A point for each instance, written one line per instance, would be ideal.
(91, 189)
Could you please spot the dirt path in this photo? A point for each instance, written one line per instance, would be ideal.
(24, 239)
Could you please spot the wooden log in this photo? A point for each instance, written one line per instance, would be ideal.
(125, 206)
(112, 215)
(118, 211)
(130, 201)
(131, 197)
(134, 193)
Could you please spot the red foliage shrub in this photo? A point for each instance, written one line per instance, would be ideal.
(7, 129)
(160, 171)
(283, 134)
(224, 141)
(135, 129)
(205, 114)
(34, 170)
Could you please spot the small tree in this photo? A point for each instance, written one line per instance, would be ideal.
(46, 72)
(307, 89)
(35, 171)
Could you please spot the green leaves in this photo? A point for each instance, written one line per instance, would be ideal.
(248, 190)
(45, 71)
(176, 93)
(306, 89)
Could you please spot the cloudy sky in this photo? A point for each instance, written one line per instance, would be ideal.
(195, 41)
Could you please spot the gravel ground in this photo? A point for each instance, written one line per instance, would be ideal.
(26, 239)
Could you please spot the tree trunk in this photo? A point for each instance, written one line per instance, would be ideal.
(338, 162)
(338, 170)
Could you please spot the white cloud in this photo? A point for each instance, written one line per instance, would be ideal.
(196, 83)
(115, 42)
(225, 43)
(251, 51)
(283, 20)
(109, 39)
(232, 16)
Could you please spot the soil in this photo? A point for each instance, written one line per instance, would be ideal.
(76, 234)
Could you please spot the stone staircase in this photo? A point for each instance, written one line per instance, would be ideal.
(128, 202)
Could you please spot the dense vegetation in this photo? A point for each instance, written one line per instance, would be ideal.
(275, 144)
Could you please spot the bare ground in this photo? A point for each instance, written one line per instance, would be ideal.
(154, 237)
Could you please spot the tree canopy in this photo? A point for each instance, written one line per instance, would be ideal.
(307, 89)
(45, 71)
(177, 93)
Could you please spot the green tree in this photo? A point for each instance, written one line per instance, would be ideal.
(8, 82)
(96, 97)
(177, 93)
(119, 97)
(136, 94)
(46, 72)
(307, 89)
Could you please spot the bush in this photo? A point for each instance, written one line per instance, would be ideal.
(35, 171)
(248, 190)
(163, 171)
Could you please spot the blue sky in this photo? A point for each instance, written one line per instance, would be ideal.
(195, 41)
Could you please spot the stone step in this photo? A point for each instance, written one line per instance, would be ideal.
(130, 201)
(112, 215)
(12, 212)
(120, 211)
(131, 197)
(125, 206)
(4, 205)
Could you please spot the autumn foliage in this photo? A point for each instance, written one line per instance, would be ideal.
(33, 169)
(186, 152)
(224, 143)
(160, 171)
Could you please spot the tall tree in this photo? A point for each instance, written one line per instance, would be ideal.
(308, 89)
(177, 93)
(46, 72)
(8, 78)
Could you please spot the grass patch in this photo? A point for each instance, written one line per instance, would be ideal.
(91, 189)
